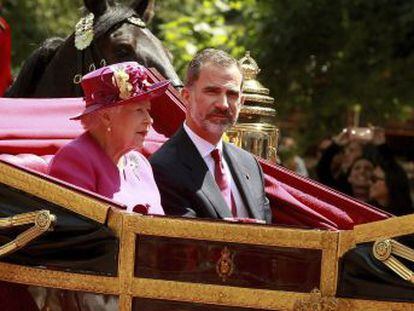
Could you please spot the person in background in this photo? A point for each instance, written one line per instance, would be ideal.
(359, 178)
(390, 188)
(197, 173)
(117, 119)
(289, 157)
(336, 160)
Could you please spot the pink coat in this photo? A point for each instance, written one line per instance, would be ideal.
(83, 163)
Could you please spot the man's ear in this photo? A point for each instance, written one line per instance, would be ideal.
(185, 94)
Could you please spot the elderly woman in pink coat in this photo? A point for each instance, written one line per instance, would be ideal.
(116, 118)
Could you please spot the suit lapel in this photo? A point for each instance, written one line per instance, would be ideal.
(241, 177)
(202, 178)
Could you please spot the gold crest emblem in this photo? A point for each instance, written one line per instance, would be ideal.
(225, 265)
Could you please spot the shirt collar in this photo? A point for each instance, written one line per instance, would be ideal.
(203, 146)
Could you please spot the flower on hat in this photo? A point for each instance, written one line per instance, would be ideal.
(121, 80)
(118, 84)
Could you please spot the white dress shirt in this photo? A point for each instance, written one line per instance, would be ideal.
(205, 148)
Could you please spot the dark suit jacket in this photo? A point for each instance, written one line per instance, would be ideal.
(189, 189)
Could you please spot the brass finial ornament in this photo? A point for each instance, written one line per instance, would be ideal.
(255, 130)
(249, 66)
(257, 101)
(251, 86)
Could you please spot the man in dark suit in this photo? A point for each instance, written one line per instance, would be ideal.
(198, 174)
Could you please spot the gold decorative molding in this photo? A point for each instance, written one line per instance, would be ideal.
(347, 304)
(126, 264)
(222, 231)
(383, 229)
(42, 221)
(383, 250)
(329, 264)
(57, 279)
(126, 286)
(370, 232)
(317, 302)
(216, 294)
(346, 242)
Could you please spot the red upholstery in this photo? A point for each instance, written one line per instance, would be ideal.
(32, 130)
(31, 161)
(40, 126)
(300, 201)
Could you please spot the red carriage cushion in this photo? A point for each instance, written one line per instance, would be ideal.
(28, 160)
(39, 127)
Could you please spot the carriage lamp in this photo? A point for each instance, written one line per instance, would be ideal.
(256, 129)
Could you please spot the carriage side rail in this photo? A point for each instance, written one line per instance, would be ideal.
(42, 221)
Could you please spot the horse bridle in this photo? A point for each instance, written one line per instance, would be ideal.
(87, 51)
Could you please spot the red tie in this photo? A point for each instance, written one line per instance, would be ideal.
(221, 180)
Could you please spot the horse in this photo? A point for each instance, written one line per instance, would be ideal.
(110, 33)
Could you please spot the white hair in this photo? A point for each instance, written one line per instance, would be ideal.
(92, 120)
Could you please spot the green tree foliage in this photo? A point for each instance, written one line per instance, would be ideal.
(34, 21)
(187, 26)
(318, 57)
(321, 57)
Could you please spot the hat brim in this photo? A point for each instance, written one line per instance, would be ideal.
(154, 91)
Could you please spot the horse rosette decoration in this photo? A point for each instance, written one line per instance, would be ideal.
(84, 32)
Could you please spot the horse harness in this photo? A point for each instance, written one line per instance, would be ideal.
(88, 55)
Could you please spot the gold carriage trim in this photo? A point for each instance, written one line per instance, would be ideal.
(317, 302)
(384, 250)
(43, 221)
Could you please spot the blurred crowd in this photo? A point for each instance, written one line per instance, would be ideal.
(357, 162)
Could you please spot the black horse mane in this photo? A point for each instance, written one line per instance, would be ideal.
(36, 64)
(33, 68)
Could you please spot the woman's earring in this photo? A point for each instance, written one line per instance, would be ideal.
(108, 129)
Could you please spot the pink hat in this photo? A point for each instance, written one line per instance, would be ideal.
(118, 84)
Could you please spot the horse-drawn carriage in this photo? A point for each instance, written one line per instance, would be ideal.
(64, 248)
